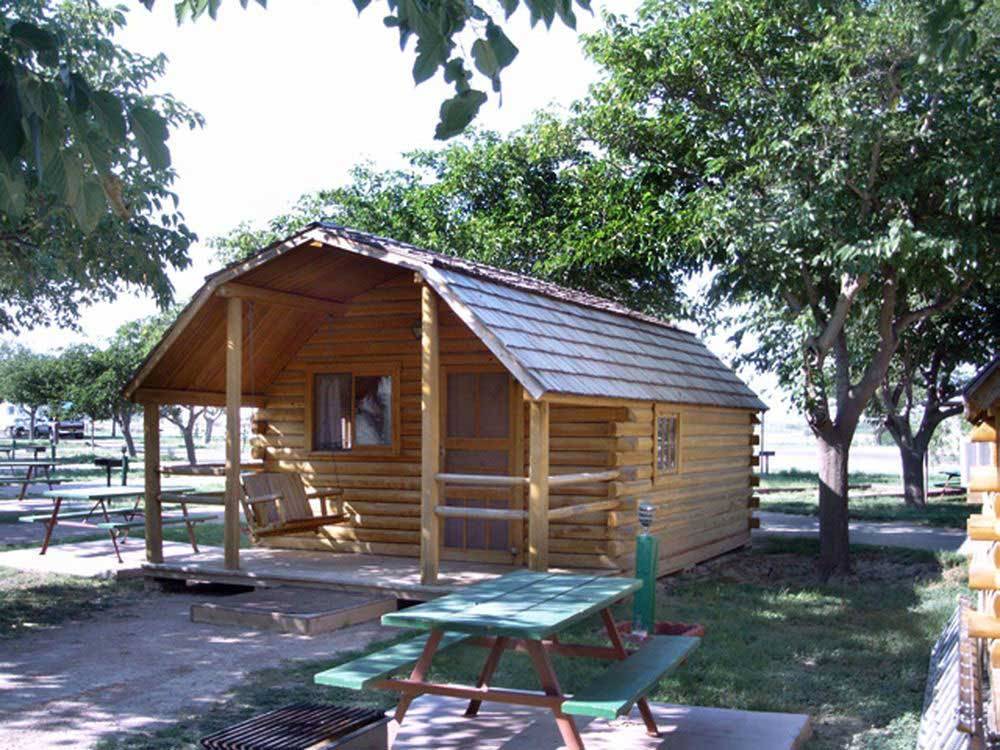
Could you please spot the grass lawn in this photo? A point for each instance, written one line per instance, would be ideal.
(852, 654)
(947, 512)
(29, 601)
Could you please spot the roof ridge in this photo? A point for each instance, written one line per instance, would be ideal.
(514, 279)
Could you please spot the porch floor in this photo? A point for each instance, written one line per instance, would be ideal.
(394, 576)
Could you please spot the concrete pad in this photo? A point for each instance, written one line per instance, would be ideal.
(287, 610)
(438, 722)
(93, 559)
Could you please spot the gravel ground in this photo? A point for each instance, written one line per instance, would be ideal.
(136, 667)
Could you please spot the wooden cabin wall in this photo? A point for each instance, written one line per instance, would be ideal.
(590, 438)
(703, 510)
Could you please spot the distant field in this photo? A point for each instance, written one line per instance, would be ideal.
(801, 498)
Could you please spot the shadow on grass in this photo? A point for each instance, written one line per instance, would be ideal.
(30, 601)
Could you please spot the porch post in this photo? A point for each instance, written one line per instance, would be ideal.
(234, 384)
(430, 438)
(538, 487)
(151, 495)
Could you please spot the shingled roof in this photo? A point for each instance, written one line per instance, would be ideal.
(554, 340)
(571, 342)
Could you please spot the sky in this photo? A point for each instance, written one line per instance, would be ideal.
(294, 96)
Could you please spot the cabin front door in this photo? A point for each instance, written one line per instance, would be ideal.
(482, 428)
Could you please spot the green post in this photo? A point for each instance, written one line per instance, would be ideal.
(647, 555)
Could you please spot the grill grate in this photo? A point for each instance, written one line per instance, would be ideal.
(294, 727)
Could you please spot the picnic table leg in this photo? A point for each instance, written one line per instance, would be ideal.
(550, 684)
(51, 524)
(499, 645)
(27, 480)
(190, 528)
(419, 672)
(114, 541)
(616, 642)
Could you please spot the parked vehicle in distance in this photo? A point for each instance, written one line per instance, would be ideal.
(73, 429)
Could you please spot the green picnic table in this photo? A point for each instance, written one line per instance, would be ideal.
(96, 499)
(32, 467)
(524, 611)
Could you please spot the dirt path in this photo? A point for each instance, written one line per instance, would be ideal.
(136, 668)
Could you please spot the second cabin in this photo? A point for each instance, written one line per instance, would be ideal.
(460, 412)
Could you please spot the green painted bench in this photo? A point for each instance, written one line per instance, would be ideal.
(360, 673)
(617, 688)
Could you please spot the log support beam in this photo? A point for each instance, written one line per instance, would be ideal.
(430, 438)
(235, 290)
(234, 385)
(151, 461)
(538, 487)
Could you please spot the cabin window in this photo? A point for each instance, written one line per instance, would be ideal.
(355, 410)
(666, 443)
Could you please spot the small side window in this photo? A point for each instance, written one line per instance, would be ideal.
(666, 443)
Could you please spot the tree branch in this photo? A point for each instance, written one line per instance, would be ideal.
(942, 305)
(849, 289)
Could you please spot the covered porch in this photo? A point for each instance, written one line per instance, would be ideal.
(229, 348)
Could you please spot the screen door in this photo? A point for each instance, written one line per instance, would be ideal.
(478, 439)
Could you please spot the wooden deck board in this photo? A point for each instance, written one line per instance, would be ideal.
(395, 576)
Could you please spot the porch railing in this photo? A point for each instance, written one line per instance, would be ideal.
(497, 480)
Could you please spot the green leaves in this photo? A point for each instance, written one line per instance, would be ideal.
(493, 54)
(458, 112)
(33, 37)
(107, 109)
(150, 131)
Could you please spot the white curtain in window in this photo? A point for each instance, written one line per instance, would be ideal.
(332, 396)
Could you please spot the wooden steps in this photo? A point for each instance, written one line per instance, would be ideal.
(293, 610)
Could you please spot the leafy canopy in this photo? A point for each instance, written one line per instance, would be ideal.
(539, 202)
(85, 204)
(818, 159)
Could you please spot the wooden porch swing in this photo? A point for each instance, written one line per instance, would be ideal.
(277, 503)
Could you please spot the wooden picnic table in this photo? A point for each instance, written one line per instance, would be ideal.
(95, 500)
(523, 611)
(32, 468)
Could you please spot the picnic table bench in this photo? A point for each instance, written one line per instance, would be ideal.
(523, 611)
(32, 469)
(97, 503)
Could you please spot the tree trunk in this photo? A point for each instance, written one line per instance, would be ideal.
(31, 423)
(188, 432)
(126, 422)
(209, 424)
(834, 540)
(114, 424)
(913, 475)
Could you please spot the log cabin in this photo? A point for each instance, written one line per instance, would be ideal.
(981, 397)
(464, 413)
